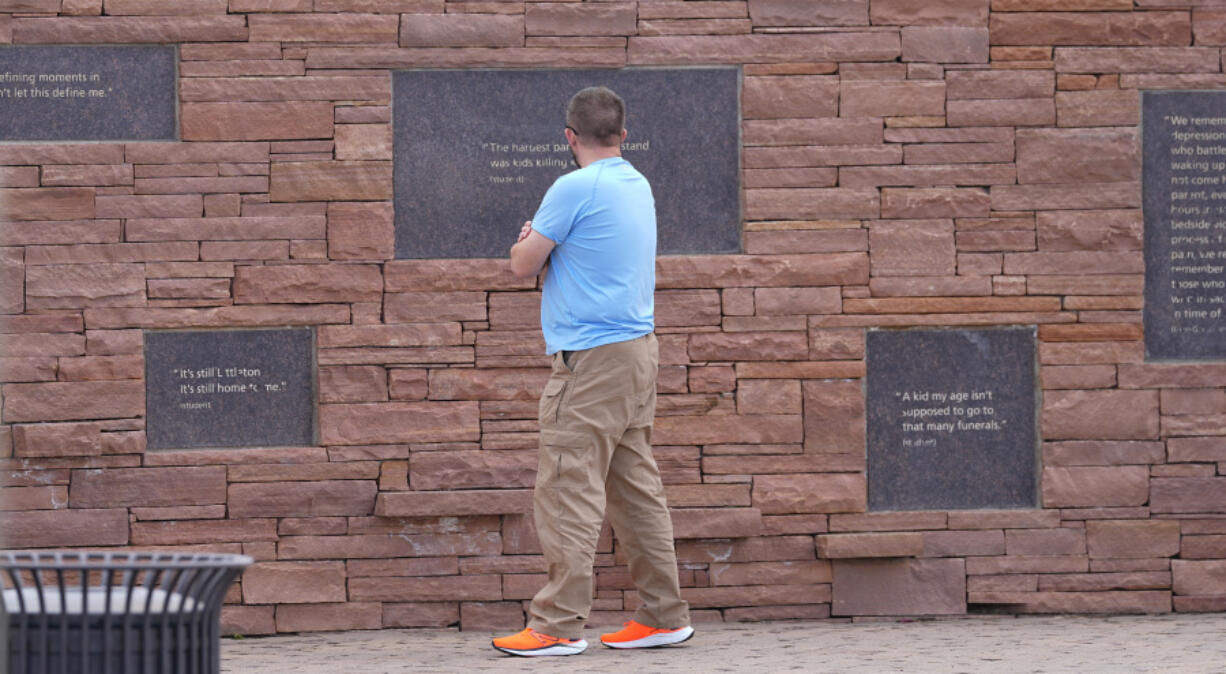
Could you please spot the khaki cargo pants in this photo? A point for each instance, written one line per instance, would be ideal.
(595, 418)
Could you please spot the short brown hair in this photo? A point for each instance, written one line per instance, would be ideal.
(597, 113)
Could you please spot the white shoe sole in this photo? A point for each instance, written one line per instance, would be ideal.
(660, 639)
(559, 649)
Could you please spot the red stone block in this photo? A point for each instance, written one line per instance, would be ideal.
(1092, 28)
(462, 30)
(1188, 495)
(363, 141)
(487, 384)
(899, 587)
(763, 48)
(749, 346)
(1079, 602)
(1129, 539)
(302, 499)
(1033, 543)
(811, 203)
(206, 512)
(304, 472)
(1196, 449)
(85, 175)
(770, 573)
(78, 286)
(223, 229)
(687, 308)
(1101, 582)
(1105, 107)
(891, 99)
(760, 396)
(323, 28)
(300, 284)
(963, 543)
(352, 384)
(730, 271)
(37, 498)
(1096, 486)
(1012, 564)
(421, 614)
(445, 504)
(790, 97)
(1001, 112)
(935, 13)
(1078, 155)
(247, 620)
(186, 532)
(1173, 375)
(294, 583)
(716, 522)
(616, 18)
(148, 487)
(834, 417)
(827, 136)
(1102, 453)
(1136, 59)
(713, 379)
(1196, 577)
(67, 401)
(756, 595)
(438, 588)
(1094, 415)
(945, 44)
(727, 428)
(848, 546)
(912, 248)
(118, 30)
(27, 369)
(360, 231)
(331, 181)
(256, 121)
(149, 206)
(818, 13)
(838, 240)
(436, 471)
(352, 615)
(491, 616)
(47, 203)
(832, 493)
(65, 528)
(928, 175)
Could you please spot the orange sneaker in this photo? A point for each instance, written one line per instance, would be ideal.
(637, 635)
(529, 642)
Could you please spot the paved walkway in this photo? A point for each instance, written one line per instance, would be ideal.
(1186, 643)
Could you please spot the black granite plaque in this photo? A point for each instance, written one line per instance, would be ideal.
(53, 92)
(1184, 175)
(951, 419)
(477, 149)
(230, 388)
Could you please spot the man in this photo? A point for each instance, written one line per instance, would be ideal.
(597, 229)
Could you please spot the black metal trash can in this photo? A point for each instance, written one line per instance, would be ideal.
(126, 612)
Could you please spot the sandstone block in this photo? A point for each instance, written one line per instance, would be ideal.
(1078, 155)
(419, 307)
(1135, 59)
(438, 588)
(1091, 486)
(891, 99)
(1089, 230)
(247, 620)
(448, 504)
(190, 532)
(361, 231)
(420, 614)
(78, 286)
(937, 13)
(1101, 453)
(1034, 543)
(47, 203)
(1125, 539)
(487, 384)
(65, 528)
(1098, 415)
(302, 499)
(716, 522)
(849, 546)
(331, 181)
(294, 583)
(408, 384)
(363, 141)
(491, 616)
(763, 48)
(963, 543)
(912, 248)
(814, 13)
(383, 423)
(945, 44)
(70, 401)
(1196, 449)
(1000, 84)
(129, 29)
(351, 615)
(225, 229)
(802, 96)
(760, 396)
(834, 416)
(1080, 602)
(811, 203)
(437, 471)
(749, 346)
(727, 428)
(1197, 577)
(686, 308)
(838, 240)
(734, 271)
(809, 493)
(1001, 112)
(619, 18)
(128, 487)
(1103, 107)
(57, 440)
(790, 301)
(899, 587)
(713, 379)
(323, 28)
(1092, 28)
(462, 30)
(1188, 495)
(256, 121)
(302, 284)
(352, 384)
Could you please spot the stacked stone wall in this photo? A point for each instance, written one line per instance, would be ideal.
(904, 163)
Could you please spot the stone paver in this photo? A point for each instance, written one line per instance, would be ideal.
(1168, 643)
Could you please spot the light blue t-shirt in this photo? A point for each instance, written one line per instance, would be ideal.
(602, 273)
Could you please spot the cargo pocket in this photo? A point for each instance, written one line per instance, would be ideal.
(551, 401)
(565, 459)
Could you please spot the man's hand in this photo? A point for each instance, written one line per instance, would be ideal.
(530, 252)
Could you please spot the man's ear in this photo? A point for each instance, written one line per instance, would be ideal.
(623, 135)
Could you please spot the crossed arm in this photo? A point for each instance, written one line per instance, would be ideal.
(530, 252)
